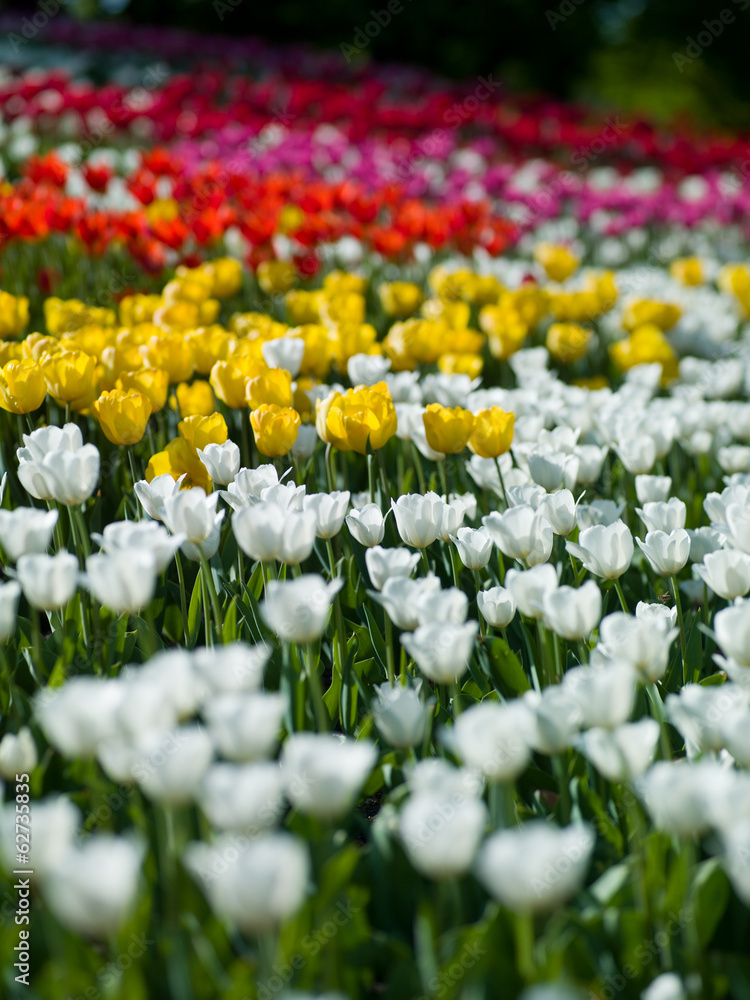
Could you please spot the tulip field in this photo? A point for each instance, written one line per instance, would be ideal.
(374, 534)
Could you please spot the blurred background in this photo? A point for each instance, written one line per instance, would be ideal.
(677, 62)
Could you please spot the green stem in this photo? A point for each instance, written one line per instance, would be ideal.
(389, 650)
(623, 602)
(208, 579)
(681, 624)
(321, 714)
(502, 481)
(183, 598)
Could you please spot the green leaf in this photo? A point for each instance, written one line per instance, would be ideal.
(710, 892)
(194, 612)
(378, 643)
(508, 665)
(229, 631)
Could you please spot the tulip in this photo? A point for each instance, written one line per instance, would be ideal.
(94, 887)
(286, 496)
(726, 572)
(9, 595)
(48, 582)
(553, 470)
(324, 773)
(284, 352)
(622, 753)
(367, 525)
(603, 512)
(307, 440)
(69, 375)
(474, 547)
(196, 399)
(732, 627)
(329, 511)
(658, 614)
(590, 462)
(26, 530)
(271, 388)
(653, 489)
(704, 541)
(496, 606)
(265, 533)
(605, 694)
(122, 415)
(55, 821)
(360, 417)
(637, 454)
(441, 834)
(401, 598)
(17, 754)
(737, 526)
(153, 495)
(382, 564)
(57, 465)
(667, 553)
(153, 383)
(145, 536)
(418, 518)
(76, 717)
(447, 430)
(248, 484)
(573, 612)
(605, 551)
(494, 739)
(222, 461)
(568, 342)
(698, 712)
(256, 885)
(529, 587)
(123, 581)
(449, 605)
(677, 795)
(535, 867)
(22, 386)
(521, 533)
(441, 652)
(492, 433)
(275, 429)
(193, 514)
(557, 260)
(560, 510)
(243, 797)
(232, 667)
(367, 369)
(199, 431)
(641, 642)
(171, 765)
(246, 726)
(297, 610)
(555, 718)
(661, 516)
(399, 714)
(400, 298)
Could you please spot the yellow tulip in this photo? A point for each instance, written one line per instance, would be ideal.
(171, 352)
(493, 432)
(448, 429)
(557, 260)
(138, 308)
(69, 375)
(352, 420)
(123, 415)
(687, 270)
(22, 386)
(226, 277)
(343, 282)
(179, 458)
(275, 429)
(152, 382)
(465, 363)
(645, 345)
(302, 306)
(454, 314)
(644, 312)
(276, 276)
(272, 387)
(200, 431)
(11, 350)
(318, 357)
(196, 400)
(568, 342)
(228, 381)
(208, 344)
(14, 314)
(400, 298)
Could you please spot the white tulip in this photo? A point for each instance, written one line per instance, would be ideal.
(265, 533)
(124, 581)
(305, 443)
(737, 528)
(521, 533)
(367, 369)
(448, 605)
(245, 726)
(44, 440)
(367, 525)
(573, 612)
(26, 530)
(9, 594)
(590, 462)
(605, 550)
(603, 512)
(17, 754)
(560, 510)
(642, 642)
(677, 795)
(663, 516)
(732, 627)
(171, 765)
(329, 510)
(637, 454)
(474, 547)
(58, 466)
(284, 352)
(667, 553)
(494, 739)
(146, 536)
(726, 572)
(528, 588)
(452, 519)
(555, 717)
(287, 496)
(418, 518)
(667, 986)
(697, 713)
(94, 887)
(496, 606)
(553, 470)
(222, 461)
(256, 884)
(441, 652)
(652, 489)
(297, 610)
(247, 797)
(324, 773)
(536, 867)
(703, 541)
(78, 715)
(191, 513)
(382, 564)
(399, 714)
(233, 667)
(441, 834)
(735, 733)
(622, 753)
(400, 597)
(606, 694)
(151, 496)
(247, 486)
(54, 825)
(659, 614)
(48, 582)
